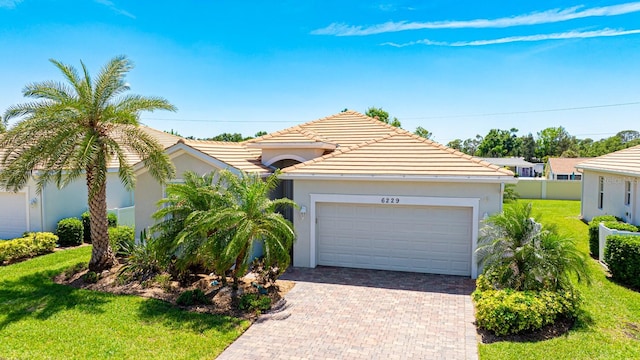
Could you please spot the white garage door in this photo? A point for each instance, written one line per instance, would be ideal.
(429, 239)
(13, 214)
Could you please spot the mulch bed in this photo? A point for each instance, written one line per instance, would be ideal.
(557, 329)
(223, 301)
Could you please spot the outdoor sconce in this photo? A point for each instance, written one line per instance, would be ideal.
(303, 211)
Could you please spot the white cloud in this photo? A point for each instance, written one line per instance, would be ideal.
(9, 4)
(113, 7)
(527, 38)
(535, 18)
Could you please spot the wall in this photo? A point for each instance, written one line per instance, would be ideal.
(603, 232)
(489, 195)
(613, 200)
(539, 188)
(149, 191)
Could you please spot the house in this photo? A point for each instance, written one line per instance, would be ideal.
(370, 195)
(563, 168)
(26, 210)
(610, 185)
(516, 164)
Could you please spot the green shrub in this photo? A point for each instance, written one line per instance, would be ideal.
(618, 225)
(164, 281)
(594, 242)
(192, 297)
(91, 277)
(112, 221)
(33, 244)
(70, 232)
(122, 239)
(254, 302)
(510, 312)
(141, 261)
(622, 255)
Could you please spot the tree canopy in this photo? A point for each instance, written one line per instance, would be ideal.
(73, 130)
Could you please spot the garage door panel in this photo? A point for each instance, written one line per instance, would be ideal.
(405, 238)
(13, 214)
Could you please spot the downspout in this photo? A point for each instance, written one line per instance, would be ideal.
(42, 210)
(501, 196)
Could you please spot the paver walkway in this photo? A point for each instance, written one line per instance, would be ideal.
(339, 313)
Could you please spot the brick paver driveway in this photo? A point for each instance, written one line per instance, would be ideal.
(339, 313)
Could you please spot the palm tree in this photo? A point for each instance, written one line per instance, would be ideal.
(221, 221)
(74, 129)
(518, 253)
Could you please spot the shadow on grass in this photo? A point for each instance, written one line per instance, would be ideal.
(175, 318)
(36, 296)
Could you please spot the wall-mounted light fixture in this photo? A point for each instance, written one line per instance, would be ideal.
(33, 201)
(303, 211)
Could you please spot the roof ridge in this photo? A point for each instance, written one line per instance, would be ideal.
(218, 142)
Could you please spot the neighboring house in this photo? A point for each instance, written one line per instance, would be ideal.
(27, 210)
(370, 195)
(516, 164)
(563, 168)
(610, 185)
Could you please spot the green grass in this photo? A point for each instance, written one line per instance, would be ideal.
(43, 320)
(603, 330)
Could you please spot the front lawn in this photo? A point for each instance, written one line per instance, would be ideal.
(609, 327)
(40, 319)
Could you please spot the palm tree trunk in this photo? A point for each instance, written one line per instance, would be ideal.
(102, 257)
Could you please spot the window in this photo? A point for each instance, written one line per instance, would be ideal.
(562, 177)
(627, 192)
(600, 191)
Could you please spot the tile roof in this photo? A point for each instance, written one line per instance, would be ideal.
(165, 139)
(508, 161)
(291, 135)
(399, 153)
(236, 155)
(626, 162)
(565, 165)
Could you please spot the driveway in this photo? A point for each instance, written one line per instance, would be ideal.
(340, 313)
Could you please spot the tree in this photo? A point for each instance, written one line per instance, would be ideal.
(527, 147)
(380, 114)
(553, 141)
(422, 132)
(519, 254)
(235, 137)
(2, 125)
(73, 130)
(221, 221)
(470, 146)
(499, 143)
(455, 144)
(628, 135)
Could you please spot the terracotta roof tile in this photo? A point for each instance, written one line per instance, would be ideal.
(625, 161)
(236, 155)
(565, 165)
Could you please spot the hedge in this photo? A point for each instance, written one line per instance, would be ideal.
(112, 221)
(594, 238)
(70, 232)
(32, 244)
(122, 239)
(510, 312)
(622, 255)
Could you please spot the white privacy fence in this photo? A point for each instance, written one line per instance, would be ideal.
(126, 216)
(603, 232)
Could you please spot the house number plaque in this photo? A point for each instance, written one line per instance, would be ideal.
(389, 200)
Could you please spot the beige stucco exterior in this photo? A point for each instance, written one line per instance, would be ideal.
(538, 188)
(614, 196)
(149, 191)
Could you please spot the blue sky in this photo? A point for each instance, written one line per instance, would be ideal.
(456, 68)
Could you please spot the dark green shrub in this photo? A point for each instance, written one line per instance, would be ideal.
(122, 239)
(622, 255)
(141, 261)
(618, 225)
(255, 303)
(594, 242)
(91, 277)
(33, 244)
(112, 221)
(192, 297)
(510, 312)
(70, 232)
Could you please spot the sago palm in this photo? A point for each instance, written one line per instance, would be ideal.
(73, 130)
(518, 253)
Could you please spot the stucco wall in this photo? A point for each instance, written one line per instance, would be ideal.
(613, 200)
(537, 188)
(489, 195)
(149, 191)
